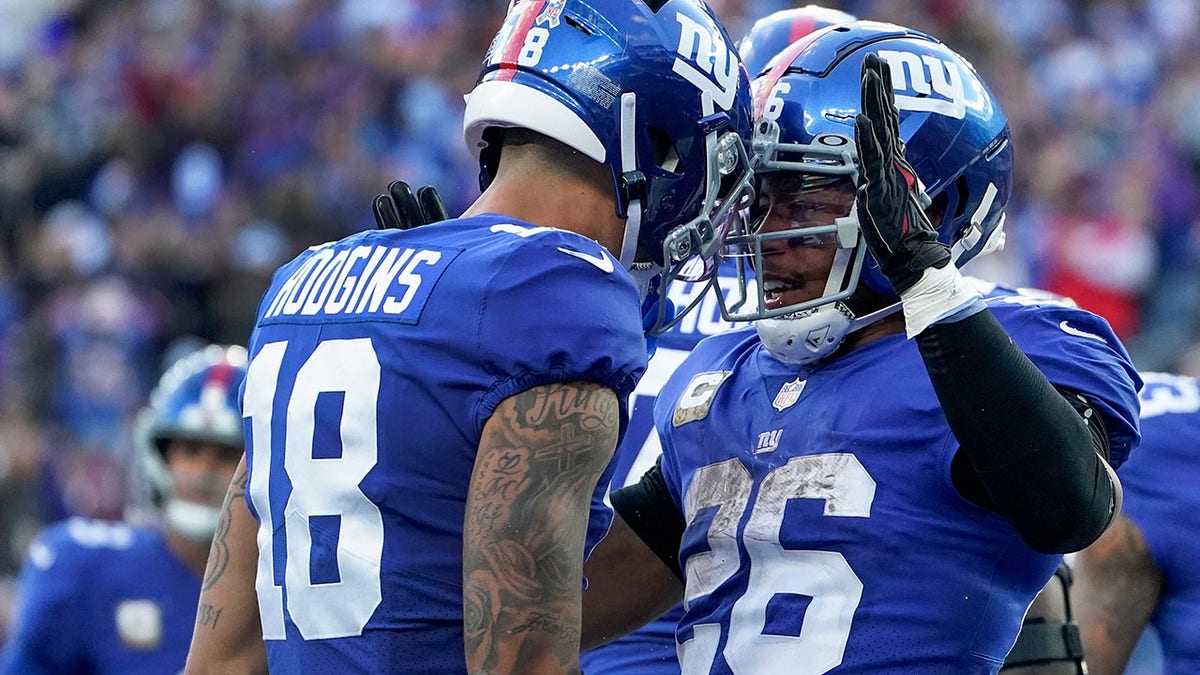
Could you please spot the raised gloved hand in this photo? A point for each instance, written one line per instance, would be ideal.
(401, 209)
(891, 215)
(891, 212)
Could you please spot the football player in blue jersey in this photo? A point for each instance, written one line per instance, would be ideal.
(1143, 571)
(883, 471)
(103, 597)
(651, 650)
(430, 412)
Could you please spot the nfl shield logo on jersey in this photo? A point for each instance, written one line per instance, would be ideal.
(789, 394)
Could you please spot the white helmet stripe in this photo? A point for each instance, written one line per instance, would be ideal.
(497, 103)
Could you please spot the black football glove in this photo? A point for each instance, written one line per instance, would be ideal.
(890, 213)
(402, 210)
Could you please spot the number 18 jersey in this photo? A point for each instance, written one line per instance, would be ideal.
(824, 533)
(375, 363)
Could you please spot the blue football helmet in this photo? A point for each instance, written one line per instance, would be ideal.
(197, 400)
(955, 133)
(651, 89)
(772, 34)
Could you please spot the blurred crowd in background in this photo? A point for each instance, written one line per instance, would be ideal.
(159, 158)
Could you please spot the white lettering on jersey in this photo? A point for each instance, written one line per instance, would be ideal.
(330, 284)
(410, 280)
(916, 78)
(697, 398)
(1164, 393)
(602, 262)
(321, 288)
(713, 68)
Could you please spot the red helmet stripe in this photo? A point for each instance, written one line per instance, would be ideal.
(801, 27)
(764, 85)
(516, 41)
(220, 375)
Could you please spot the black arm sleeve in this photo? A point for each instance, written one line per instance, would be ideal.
(647, 508)
(1040, 456)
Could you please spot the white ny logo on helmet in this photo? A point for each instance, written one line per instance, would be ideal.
(934, 85)
(718, 65)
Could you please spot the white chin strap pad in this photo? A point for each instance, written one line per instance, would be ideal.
(807, 335)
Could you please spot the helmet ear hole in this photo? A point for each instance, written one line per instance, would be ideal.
(960, 209)
(936, 211)
(489, 155)
(666, 156)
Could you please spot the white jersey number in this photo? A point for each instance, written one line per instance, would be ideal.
(847, 490)
(1164, 393)
(320, 487)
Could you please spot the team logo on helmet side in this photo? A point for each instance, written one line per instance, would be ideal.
(926, 83)
(710, 64)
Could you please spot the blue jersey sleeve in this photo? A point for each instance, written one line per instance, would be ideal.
(47, 636)
(1078, 350)
(559, 308)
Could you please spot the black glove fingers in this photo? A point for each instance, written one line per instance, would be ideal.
(889, 102)
(385, 213)
(870, 161)
(431, 204)
(866, 101)
(883, 113)
(407, 208)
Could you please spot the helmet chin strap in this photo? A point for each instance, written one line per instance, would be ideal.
(193, 521)
(633, 211)
(812, 334)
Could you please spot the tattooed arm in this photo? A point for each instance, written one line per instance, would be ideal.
(1116, 590)
(228, 636)
(539, 459)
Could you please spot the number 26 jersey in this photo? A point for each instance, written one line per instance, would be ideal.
(824, 533)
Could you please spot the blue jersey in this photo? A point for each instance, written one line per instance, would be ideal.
(1162, 496)
(101, 597)
(824, 532)
(651, 650)
(375, 363)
